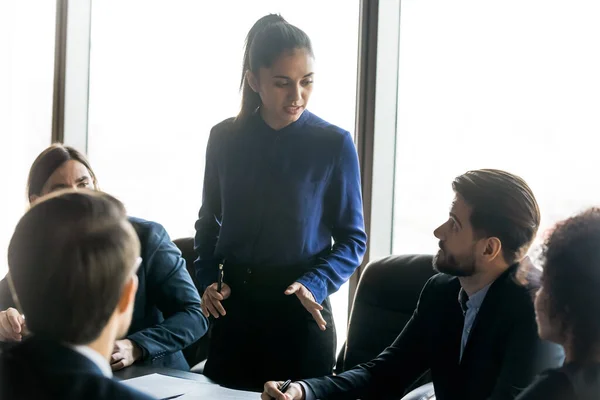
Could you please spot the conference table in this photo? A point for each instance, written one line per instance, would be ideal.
(136, 371)
(207, 389)
(195, 386)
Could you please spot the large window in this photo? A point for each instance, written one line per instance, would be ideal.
(512, 85)
(26, 84)
(161, 75)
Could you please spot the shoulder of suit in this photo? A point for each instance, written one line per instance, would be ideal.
(145, 226)
(443, 281)
(150, 233)
(519, 287)
(21, 382)
(91, 387)
(440, 287)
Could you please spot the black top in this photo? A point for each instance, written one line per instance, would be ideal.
(571, 382)
(502, 357)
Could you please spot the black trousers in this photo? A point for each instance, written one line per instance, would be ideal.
(267, 335)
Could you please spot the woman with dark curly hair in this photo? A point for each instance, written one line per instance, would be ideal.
(568, 309)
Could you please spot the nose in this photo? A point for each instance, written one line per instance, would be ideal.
(438, 232)
(295, 94)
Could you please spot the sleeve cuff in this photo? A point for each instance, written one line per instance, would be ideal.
(315, 285)
(135, 338)
(206, 273)
(308, 393)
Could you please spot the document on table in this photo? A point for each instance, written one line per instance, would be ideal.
(162, 386)
(203, 392)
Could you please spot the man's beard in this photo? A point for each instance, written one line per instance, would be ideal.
(447, 263)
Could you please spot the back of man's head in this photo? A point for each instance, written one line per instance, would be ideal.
(502, 206)
(69, 259)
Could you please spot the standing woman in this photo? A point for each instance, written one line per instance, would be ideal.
(280, 184)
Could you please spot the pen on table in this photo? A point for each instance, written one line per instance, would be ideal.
(220, 278)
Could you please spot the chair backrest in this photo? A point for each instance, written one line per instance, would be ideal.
(186, 246)
(385, 299)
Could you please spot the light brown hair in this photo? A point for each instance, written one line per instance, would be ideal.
(69, 259)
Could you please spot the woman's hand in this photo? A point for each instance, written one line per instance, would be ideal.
(125, 353)
(211, 300)
(12, 325)
(308, 301)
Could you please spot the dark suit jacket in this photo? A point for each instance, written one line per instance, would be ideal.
(40, 369)
(502, 356)
(166, 315)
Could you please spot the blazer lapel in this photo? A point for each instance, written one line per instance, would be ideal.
(452, 320)
(488, 311)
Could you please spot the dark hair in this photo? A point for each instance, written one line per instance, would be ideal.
(502, 206)
(49, 161)
(571, 278)
(269, 38)
(68, 260)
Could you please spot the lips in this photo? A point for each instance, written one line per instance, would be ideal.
(293, 110)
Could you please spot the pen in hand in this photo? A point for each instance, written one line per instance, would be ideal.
(220, 278)
(285, 386)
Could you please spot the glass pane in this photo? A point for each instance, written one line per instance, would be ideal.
(26, 87)
(162, 76)
(511, 85)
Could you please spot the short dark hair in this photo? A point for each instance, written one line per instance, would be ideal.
(571, 278)
(49, 161)
(270, 37)
(502, 206)
(68, 260)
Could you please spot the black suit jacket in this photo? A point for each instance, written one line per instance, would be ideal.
(40, 369)
(502, 356)
(166, 316)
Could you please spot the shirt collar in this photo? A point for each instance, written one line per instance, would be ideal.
(94, 357)
(476, 299)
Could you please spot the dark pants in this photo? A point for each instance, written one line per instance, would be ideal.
(267, 335)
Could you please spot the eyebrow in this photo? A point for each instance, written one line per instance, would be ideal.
(58, 186)
(288, 78)
(62, 185)
(456, 219)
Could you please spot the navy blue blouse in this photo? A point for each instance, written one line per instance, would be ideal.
(279, 197)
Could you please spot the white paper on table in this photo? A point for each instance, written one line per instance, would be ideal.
(218, 392)
(162, 386)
